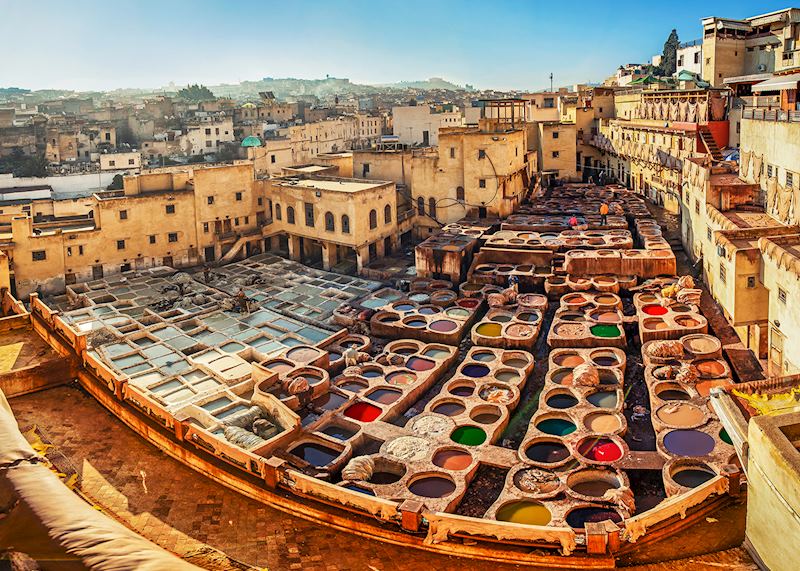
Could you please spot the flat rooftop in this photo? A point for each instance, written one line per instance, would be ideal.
(747, 219)
(334, 184)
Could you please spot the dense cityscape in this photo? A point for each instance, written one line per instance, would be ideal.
(322, 324)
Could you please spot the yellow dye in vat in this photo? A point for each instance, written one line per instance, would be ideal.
(528, 513)
(8, 356)
(772, 404)
(489, 329)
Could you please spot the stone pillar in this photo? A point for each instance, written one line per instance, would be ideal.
(362, 257)
(294, 248)
(330, 255)
(379, 249)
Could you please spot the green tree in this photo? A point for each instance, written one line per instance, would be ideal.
(196, 93)
(669, 57)
(32, 166)
(116, 183)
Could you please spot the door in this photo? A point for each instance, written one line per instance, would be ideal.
(97, 272)
(209, 253)
(167, 261)
(775, 367)
(425, 138)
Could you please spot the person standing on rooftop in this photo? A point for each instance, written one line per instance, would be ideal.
(604, 214)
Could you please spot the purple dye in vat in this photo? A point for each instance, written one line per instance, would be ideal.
(443, 326)
(462, 391)
(475, 371)
(352, 386)
(688, 443)
(384, 396)
(432, 487)
(420, 364)
(579, 517)
(449, 408)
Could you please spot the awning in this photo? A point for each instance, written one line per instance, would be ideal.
(778, 83)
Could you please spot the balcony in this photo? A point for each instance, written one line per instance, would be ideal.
(762, 114)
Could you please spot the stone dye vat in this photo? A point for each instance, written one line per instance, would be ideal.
(671, 320)
(559, 222)
(495, 265)
(557, 285)
(431, 323)
(563, 241)
(475, 289)
(588, 319)
(512, 327)
(641, 263)
(679, 375)
(446, 256)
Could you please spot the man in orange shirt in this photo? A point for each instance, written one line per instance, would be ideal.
(604, 214)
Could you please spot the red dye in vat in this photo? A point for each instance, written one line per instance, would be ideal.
(654, 309)
(418, 364)
(469, 302)
(601, 450)
(363, 411)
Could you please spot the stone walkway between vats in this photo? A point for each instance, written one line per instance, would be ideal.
(186, 513)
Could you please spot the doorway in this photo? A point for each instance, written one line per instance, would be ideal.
(775, 366)
(209, 254)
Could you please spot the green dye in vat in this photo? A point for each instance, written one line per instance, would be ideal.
(723, 435)
(605, 330)
(556, 426)
(468, 435)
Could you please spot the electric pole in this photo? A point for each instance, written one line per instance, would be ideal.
(551, 82)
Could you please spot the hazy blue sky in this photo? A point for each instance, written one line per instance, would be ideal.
(94, 44)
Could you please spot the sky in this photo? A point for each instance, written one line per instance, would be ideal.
(501, 44)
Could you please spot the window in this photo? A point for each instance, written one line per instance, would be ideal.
(329, 222)
(696, 57)
(421, 206)
(769, 171)
(130, 161)
(246, 220)
(239, 196)
(260, 201)
(790, 179)
(751, 282)
(782, 295)
(123, 214)
(309, 210)
(708, 234)
(452, 152)
(205, 227)
(345, 224)
(432, 207)
(170, 208)
(696, 206)
(555, 154)
(120, 244)
(272, 159)
(209, 144)
(278, 212)
(482, 183)
(481, 154)
(290, 215)
(723, 274)
(112, 163)
(460, 193)
(555, 134)
(210, 199)
(208, 131)
(549, 103)
(373, 219)
(172, 237)
(152, 238)
(80, 250)
(364, 170)
(387, 214)
(39, 255)
(69, 250)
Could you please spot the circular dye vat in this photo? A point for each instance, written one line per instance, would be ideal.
(449, 408)
(561, 401)
(655, 309)
(371, 373)
(710, 368)
(704, 387)
(692, 477)
(524, 512)
(605, 330)
(528, 316)
(384, 478)
(604, 359)
(401, 378)
(475, 371)
(592, 487)
(578, 518)
(489, 329)
(680, 414)
(483, 356)
(462, 390)
(654, 324)
(452, 459)
(432, 487)
(333, 357)
(428, 310)
(420, 297)
(520, 330)
(701, 344)
(339, 432)
(603, 399)
(352, 386)
(725, 437)
(688, 443)
(600, 450)
(388, 318)
(403, 307)
(435, 353)
(516, 363)
(458, 312)
(606, 316)
(280, 366)
(571, 360)
(602, 423)
(687, 322)
(362, 411)
(574, 299)
(359, 489)
(415, 323)
(384, 396)
(501, 318)
(420, 364)
(469, 302)
(606, 300)
(485, 416)
(506, 376)
(303, 354)
(405, 350)
(315, 454)
(468, 435)
(443, 326)
(562, 377)
(556, 426)
(673, 394)
(497, 394)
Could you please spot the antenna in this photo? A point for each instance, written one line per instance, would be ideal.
(551, 82)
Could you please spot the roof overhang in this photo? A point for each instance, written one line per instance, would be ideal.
(752, 78)
(778, 83)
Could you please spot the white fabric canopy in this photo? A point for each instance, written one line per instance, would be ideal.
(778, 83)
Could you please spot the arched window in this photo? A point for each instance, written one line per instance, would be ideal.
(290, 215)
(387, 214)
(329, 222)
(373, 219)
(278, 214)
(460, 193)
(432, 207)
(345, 224)
(421, 206)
